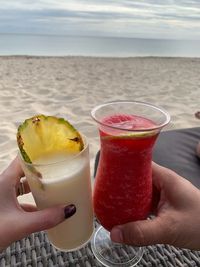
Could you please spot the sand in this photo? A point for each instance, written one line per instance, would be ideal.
(71, 86)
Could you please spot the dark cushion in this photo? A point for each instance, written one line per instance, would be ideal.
(176, 150)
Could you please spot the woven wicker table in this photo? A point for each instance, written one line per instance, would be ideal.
(35, 250)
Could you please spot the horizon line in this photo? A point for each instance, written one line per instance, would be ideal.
(98, 36)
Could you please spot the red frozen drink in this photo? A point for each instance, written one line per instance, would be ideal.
(123, 184)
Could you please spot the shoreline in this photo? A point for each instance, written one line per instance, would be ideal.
(99, 57)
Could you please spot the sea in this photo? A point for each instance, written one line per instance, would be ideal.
(56, 45)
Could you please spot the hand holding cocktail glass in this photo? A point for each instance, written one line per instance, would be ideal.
(55, 160)
(176, 214)
(123, 183)
(21, 219)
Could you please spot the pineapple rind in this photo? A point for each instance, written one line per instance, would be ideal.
(41, 135)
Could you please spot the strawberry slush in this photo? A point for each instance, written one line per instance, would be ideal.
(123, 184)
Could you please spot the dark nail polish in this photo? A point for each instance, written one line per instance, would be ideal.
(69, 211)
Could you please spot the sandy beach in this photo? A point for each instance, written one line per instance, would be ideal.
(71, 86)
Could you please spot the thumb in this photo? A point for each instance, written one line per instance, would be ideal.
(44, 219)
(140, 233)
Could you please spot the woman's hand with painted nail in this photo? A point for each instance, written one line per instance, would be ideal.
(177, 215)
(19, 220)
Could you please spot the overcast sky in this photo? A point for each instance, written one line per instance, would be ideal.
(124, 18)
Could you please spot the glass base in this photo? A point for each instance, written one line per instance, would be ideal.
(71, 249)
(114, 254)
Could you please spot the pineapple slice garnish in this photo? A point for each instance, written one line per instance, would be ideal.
(42, 136)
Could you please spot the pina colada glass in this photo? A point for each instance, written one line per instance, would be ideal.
(64, 180)
(123, 183)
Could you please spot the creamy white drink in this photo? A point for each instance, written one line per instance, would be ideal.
(67, 181)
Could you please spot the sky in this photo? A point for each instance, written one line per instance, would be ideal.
(169, 19)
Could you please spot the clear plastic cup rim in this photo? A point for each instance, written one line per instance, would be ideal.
(162, 110)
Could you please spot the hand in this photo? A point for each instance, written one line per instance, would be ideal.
(20, 220)
(177, 220)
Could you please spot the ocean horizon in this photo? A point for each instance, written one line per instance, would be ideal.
(58, 45)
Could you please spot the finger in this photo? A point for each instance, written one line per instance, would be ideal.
(28, 207)
(22, 187)
(158, 184)
(13, 172)
(156, 195)
(157, 175)
(140, 233)
(162, 176)
(165, 179)
(45, 219)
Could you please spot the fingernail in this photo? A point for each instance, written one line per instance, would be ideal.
(116, 235)
(69, 211)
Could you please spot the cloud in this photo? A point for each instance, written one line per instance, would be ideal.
(145, 18)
